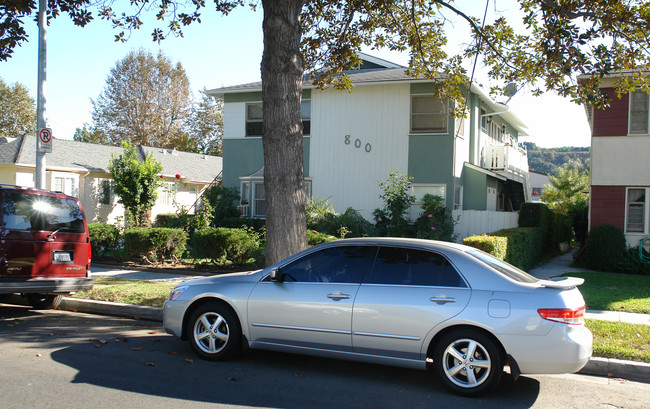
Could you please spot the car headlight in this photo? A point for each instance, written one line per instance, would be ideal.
(176, 292)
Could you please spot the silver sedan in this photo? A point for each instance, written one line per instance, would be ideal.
(405, 302)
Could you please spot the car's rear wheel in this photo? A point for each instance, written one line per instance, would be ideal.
(468, 362)
(44, 301)
(214, 332)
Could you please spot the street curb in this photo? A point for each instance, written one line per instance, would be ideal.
(616, 368)
(111, 308)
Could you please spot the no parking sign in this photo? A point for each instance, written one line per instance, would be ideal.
(45, 140)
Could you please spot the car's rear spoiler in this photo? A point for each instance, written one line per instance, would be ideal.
(562, 283)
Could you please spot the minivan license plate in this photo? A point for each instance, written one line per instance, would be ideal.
(61, 257)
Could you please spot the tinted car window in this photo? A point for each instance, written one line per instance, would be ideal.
(406, 266)
(503, 267)
(36, 212)
(345, 264)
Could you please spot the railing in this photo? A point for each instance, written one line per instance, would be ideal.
(244, 210)
(506, 158)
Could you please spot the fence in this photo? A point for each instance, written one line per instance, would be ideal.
(472, 222)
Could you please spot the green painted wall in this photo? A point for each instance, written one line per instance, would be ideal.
(243, 157)
(431, 161)
(475, 186)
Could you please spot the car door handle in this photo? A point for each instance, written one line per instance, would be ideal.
(441, 299)
(337, 295)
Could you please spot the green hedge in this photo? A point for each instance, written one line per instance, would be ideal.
(217, 244)
(103, 237)
(538, 215)
(605, 248)
(497, 246)
(314, 237)
(156, 242)
(520, 246)
(562, 228)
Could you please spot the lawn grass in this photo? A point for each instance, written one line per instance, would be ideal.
(620, 340)
(615, 292)
(139, 292)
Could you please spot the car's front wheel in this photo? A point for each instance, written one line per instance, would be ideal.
(214, 332)
(468, 362)
(44, 301)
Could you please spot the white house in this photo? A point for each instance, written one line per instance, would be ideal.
(81, 169)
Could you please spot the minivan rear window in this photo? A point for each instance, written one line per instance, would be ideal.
(30, 212)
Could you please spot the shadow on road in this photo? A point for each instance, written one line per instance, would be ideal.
(138, 357)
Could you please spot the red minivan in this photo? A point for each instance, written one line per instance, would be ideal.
(44, 245)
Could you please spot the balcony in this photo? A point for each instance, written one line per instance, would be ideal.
(505, 158)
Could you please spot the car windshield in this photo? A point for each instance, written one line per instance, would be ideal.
(41, 212)
(504, 268)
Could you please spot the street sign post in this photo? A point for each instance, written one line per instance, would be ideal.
(45, 140)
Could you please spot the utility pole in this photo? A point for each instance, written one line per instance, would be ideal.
(40, 105)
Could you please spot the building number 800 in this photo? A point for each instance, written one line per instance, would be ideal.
(357, 143)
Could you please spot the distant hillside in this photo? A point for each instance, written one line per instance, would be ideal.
(548, 160)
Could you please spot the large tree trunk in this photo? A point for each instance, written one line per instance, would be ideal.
(282, 70)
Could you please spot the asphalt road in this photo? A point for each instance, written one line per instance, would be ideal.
(73, 360)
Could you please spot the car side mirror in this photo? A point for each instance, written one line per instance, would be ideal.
(275, 275)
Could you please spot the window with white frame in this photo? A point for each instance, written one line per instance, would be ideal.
(254, 116)
(429, 114)
(458, 197)
(66, 184)
(105, 192)
(254, 125)
(639, 113)
(637, 209)
(167, 194)
(418, 190)
(259, 200)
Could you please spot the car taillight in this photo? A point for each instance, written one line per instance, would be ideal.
(564, 315)
(90, 253)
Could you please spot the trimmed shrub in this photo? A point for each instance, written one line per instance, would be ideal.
(156, 242)
(524, 248)
(538, 215)
(496, 246)
(239, 222)
(103, 237)
(579, 213)
(221, 244)
(314, 237)
(605, 248)
(520, 246)
(562, 228)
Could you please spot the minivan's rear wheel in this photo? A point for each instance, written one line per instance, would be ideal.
(468, 362)
(214, 332)
(44, 301)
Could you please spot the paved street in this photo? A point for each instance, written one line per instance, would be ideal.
(74, 360)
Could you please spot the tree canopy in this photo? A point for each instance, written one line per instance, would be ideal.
(147, 100)
(17, 110)
(569, 187)
(545, 47)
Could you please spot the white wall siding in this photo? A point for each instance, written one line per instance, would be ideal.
(376, 119)
(620, 161)
(473, 222)
(234, 120)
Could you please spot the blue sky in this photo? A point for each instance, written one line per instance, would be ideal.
(219, 51)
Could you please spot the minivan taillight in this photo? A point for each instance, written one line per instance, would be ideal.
(90, 253)
(564, 315)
